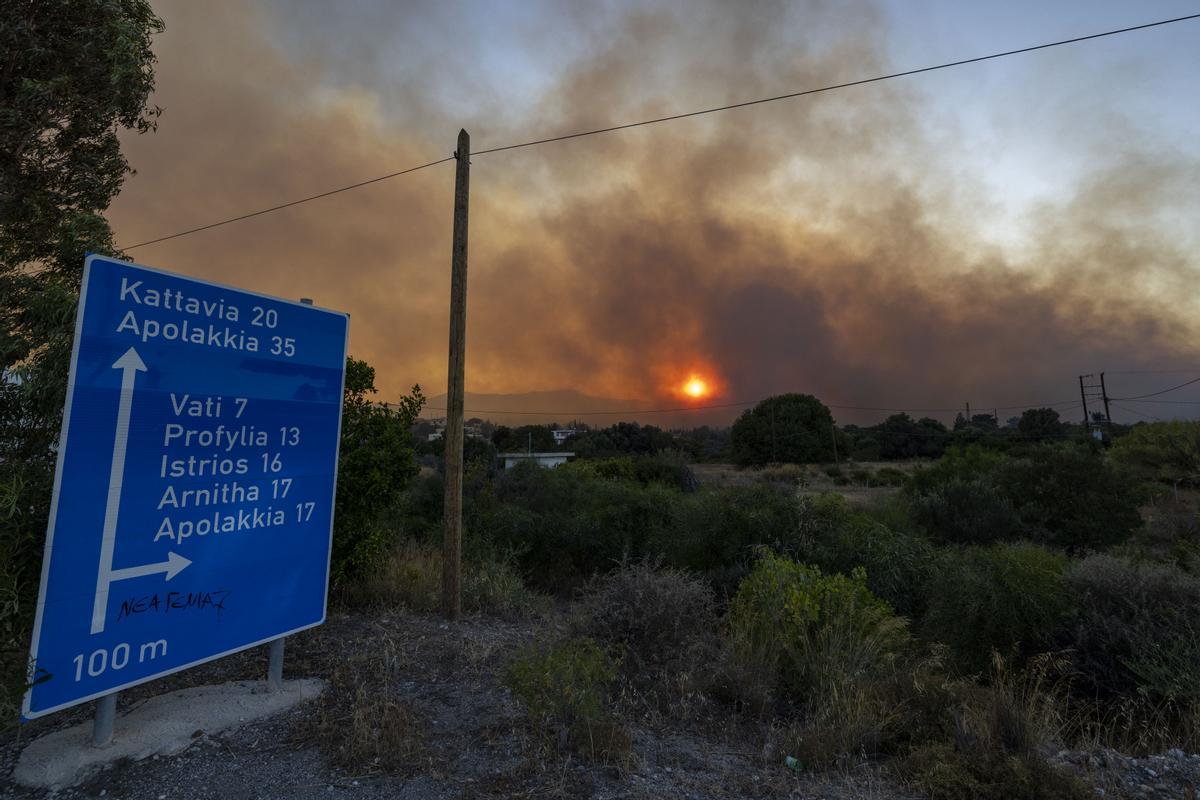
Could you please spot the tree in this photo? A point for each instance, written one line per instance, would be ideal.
(623, 439)
(538, 438)
(375, 462)
(73, 73)
(793, 428)
(902, 437)
(1162, 451)
(1071, 496)
(1039, 423)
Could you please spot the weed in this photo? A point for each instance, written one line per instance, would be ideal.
(411, 576)
(567, 687)
(359, 723)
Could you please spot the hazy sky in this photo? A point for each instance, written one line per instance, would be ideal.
(980, 234)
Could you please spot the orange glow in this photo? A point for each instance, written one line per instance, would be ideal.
(696, 387)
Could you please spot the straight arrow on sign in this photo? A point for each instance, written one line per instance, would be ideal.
(130, 364)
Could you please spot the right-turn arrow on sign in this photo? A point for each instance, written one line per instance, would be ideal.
(193, 502)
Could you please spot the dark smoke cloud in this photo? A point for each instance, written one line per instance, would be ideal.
(828, 245)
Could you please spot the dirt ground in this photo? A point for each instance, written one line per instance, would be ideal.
(464, 735)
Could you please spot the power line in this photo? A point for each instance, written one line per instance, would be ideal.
(1139, 413)
(848, 84)
(1192, 371)
(1169, 402)
(683, 115)
(281, 206)
(1163, 391)
(1068, 404)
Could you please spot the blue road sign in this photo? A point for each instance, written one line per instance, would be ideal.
(193, 501)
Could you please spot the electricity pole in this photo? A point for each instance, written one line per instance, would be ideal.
(452, 541)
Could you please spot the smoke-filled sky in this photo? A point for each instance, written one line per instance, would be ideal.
(983, 234)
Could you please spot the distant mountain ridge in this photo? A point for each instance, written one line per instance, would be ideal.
(562, 405)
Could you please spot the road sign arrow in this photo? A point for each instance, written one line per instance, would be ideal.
(131, 361)
(130, 365)
(174, 565)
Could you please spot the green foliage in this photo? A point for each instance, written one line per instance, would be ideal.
(1071, 497)
(1063, 495)
(1162, 451)
(1006, 597)
(889, 476)
(73, 75)
(901, 437)
(965, 463)
(567, 688)
(527, 438)
(565, 525)
(793, 428)
(1038, 424)
(967, 511)
(1137, 629)
(822, 633)
(410, 575)
(898, 565)
(668, 468)
(622, 439)
(375, 462)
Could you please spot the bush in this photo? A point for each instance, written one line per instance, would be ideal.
(565, 525)
(1069, 496)
(1163, 451)
(567, 688)
(1065, 496)
(822, 633)
(663, 621)
(360, 723)
(995, 743)
(966, 511)
(375, 463)
(890, 476)
(944, 771)
(1009, 598)
(1137, 630)
(411, 576)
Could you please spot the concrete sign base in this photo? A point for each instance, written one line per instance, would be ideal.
(164, 725)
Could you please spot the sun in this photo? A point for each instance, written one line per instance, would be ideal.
(696, 387)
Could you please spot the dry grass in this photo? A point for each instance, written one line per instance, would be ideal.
(360, 723)
(410, 576)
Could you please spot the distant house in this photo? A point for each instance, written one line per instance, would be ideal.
(541, 459)
(562, 434)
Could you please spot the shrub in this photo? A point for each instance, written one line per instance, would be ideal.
(898, 565)
(1137, 630)
(966, 511)
(411, 576)
(566, 687)
(1069, 496)
(944, 771)
(1163, 451)
(890, 476)
(1066, 496)
(375, 462)
(1006, 597)
(822, 633)
(663, 621)
(995, 743)
(359, 722)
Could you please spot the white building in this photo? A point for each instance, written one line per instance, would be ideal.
(541, 459)
(562, 434)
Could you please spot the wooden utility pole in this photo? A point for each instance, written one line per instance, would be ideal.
(452, 538)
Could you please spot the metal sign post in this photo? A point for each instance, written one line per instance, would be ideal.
(193, 502)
